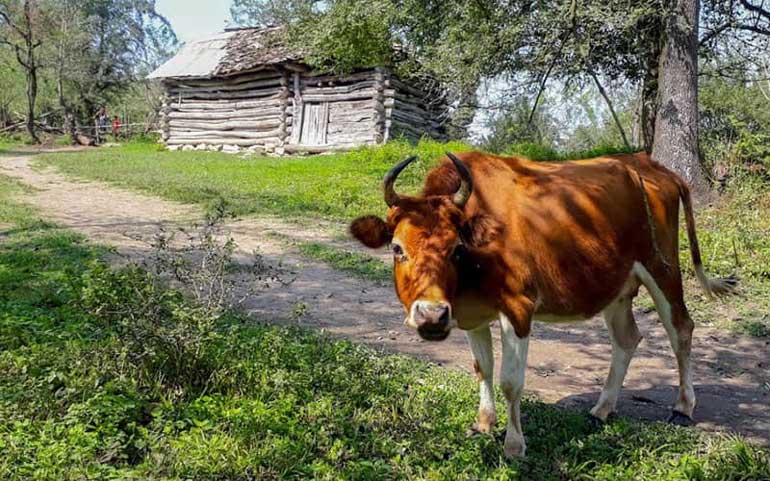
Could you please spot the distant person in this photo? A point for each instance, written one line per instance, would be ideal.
(102, 122)
(116, 127)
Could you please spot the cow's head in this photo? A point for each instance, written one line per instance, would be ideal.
(427, 236)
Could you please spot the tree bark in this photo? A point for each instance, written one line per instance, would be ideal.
(649, 102)
(31, 100)
(675, 142)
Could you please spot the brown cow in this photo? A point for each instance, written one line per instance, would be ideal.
(504, 237)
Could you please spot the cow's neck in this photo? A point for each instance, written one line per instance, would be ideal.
(472, 305)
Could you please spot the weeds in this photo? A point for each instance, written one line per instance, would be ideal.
(166, 334)
(108, 374)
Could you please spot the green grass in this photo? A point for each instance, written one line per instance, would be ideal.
(734, 237)
(7, 145)
(278, 403)
(338, 186)
(357, 264)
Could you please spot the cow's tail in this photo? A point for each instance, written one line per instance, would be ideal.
(714, 287)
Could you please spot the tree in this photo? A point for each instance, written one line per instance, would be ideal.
(21, 24)
(676, 123)
(92, 51)
(620, 41)
(260, 13)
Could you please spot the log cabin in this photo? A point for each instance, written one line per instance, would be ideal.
(244, 89)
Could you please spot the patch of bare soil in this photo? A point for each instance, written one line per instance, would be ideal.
(567, 362)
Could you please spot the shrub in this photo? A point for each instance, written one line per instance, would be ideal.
(164, 334)
(159, 336)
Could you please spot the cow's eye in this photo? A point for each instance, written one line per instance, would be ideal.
(398, 251)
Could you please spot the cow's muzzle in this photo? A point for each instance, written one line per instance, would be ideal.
(432, 319)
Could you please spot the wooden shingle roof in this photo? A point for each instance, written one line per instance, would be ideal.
(227, 53)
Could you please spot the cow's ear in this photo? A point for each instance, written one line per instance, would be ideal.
(371, 231)
(480, 230)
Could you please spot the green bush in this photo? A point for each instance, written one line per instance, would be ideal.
(734, 127)
(544, 152)
(158, 335)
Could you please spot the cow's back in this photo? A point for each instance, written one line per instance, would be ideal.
(572, 229)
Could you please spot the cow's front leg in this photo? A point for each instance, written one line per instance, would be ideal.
(480, 340)
(514, 365)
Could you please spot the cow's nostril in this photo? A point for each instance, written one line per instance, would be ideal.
(444, 317)
(436, 315)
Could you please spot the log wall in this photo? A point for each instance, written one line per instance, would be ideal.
(350, 100)
(245, 111)
(410, 113)
(265, 111)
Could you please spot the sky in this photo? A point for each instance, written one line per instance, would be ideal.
(195, 18)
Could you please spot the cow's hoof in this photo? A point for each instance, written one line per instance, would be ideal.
(596, 422)
(517, 451)
(680, 419)
(514, 446)
(477, 430)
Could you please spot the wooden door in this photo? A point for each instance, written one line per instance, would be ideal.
(315, 120)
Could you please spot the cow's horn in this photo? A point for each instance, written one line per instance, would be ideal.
(466, 182)
(391, 197)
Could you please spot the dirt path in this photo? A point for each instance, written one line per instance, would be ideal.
(567, 362)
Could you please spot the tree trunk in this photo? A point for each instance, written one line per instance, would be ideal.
(675, 142)
(69, 121)
(31, 100)
(649, 99)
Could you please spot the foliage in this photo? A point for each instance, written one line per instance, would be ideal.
(7, 144)
(90, 53)
(544, 153)
(735, 121)
(278, 403)
(734, 237)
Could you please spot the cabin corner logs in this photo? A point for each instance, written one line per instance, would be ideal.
(280, 110)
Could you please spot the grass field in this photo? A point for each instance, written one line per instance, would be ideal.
(338, 186)
(734, 232)
(265, 402)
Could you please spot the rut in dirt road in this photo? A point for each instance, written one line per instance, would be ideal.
(567, 363)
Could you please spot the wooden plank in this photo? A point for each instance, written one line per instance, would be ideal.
(297, 110)
(315, 80)
(284, 101)
(315, 123)
(229, 125)
(344, 89)
(254, 84)
(357, 95)
(256, 94)
(224, 115)
(213, 141)
(233, 80)
(214, 104)
(319, 149)
(222, 134)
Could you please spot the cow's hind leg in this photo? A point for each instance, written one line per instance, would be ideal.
(666, 290)
(512, 370)
(624, 336)
(480, 340)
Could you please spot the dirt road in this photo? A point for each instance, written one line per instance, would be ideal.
(567, 362)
